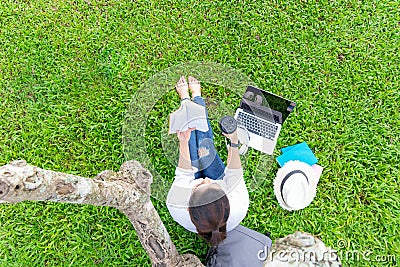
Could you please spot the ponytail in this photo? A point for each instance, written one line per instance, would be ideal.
(216, 236)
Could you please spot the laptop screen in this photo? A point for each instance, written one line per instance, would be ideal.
(266, 105)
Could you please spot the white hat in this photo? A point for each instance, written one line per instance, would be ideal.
(295, 185)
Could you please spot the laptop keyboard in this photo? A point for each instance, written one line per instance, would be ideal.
(253, 124)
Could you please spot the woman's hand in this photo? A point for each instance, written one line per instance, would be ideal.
(185, 135)
(233, 137)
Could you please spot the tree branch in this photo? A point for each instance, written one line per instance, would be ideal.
(127, 190)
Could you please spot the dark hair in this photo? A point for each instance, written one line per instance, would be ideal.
(209, 210)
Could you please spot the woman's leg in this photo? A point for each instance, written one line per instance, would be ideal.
(194, 156)
(205, 155)
(183, 91)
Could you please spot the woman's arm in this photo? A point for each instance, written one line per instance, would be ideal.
(184, 156)
(233, 161)
(184, 153)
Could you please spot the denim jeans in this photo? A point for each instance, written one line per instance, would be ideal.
(209, 164)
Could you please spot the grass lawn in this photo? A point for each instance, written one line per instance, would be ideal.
(69, 70)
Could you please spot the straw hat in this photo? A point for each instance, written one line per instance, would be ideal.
(295, 185)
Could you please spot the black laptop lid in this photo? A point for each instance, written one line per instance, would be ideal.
(266, 105)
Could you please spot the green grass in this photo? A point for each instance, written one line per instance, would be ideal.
(69, 69)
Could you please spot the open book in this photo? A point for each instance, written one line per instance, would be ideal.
(189, 115)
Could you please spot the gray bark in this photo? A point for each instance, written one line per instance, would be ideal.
(127, 190)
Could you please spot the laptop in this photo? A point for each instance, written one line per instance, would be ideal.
(262, 114)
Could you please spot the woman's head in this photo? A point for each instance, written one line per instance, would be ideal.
(209, 210)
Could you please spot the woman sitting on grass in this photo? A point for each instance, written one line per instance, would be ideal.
(206, 197)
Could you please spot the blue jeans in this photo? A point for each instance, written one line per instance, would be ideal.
(209, 164)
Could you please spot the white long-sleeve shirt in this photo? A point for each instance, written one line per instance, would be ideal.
(233, 184)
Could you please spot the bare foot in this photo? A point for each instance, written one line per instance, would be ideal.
(182, 88)
(194, 86)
